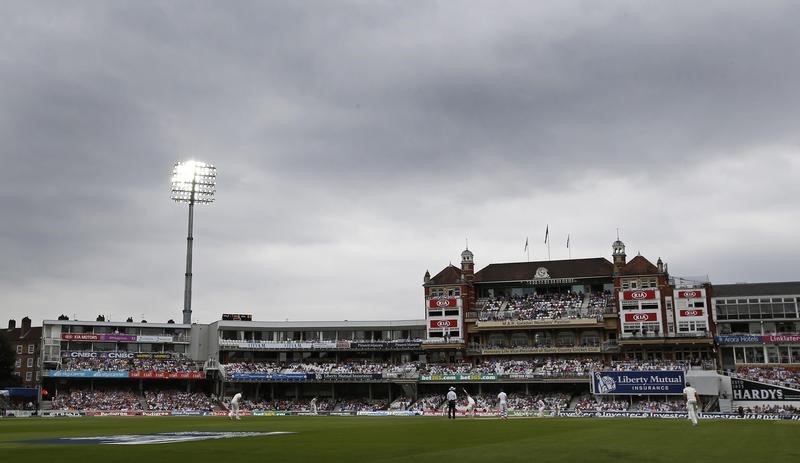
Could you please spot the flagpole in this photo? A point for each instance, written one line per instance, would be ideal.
(547, 240)
(569, 249)
(527, 249)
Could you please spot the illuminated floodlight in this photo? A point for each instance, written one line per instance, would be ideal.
(193, 182)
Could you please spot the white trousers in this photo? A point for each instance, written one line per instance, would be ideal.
(691, 407)
(234, 411)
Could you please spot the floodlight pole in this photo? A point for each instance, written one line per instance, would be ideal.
(199, 189)
(187, 291)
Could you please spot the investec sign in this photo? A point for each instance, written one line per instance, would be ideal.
(638, 382)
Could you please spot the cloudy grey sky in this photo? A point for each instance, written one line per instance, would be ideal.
(359, 143)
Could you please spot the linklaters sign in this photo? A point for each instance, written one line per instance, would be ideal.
(638, 382)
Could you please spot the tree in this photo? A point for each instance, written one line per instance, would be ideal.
(7, 358)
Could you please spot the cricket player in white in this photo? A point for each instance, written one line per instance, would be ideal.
(470, 404)
(314, 405)
(233, 410)
(502, 397)
(541, 406)
(692, 402)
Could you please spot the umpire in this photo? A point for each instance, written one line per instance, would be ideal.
(451, 403)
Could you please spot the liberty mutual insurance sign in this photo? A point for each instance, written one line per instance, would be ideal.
(638, 382)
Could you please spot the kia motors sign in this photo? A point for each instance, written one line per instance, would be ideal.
(691, 313)
(442, 303)
(442, 324)
(695, 294)
(641, 317)
(80, 337)
(108, 337)
(638, 295)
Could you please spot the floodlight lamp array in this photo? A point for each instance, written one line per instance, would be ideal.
(194, 181)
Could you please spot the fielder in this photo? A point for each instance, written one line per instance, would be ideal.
(502, 398)
(470, 404)
(314, 405)
(541, 406)
(233, 410)
(692, 402)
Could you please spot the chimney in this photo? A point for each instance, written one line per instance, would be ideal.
(12, 324)
(26, 324)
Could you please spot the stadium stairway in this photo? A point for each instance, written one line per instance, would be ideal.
(726, 405)
(409, 390)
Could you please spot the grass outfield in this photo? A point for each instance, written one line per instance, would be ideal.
(417, 439)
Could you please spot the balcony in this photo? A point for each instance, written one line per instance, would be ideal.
(528, 350)
(536, 323)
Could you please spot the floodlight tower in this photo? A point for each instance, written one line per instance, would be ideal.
(193, 182)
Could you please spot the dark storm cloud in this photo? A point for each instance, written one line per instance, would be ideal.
(361, 143)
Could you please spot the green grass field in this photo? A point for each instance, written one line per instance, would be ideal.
(415, 439)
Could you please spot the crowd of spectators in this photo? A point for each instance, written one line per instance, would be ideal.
(588, 403)
(95, 364)
(167, 365)
(784, 410)
(547, 367)
(97, 400)
(658, 406)
(533, 307)
(400, 403)
(252, 367)
(487, 403)
(173, 365)
(775, 375)
(353, 367)
(361, 405)
(177, 400)
(648, 365)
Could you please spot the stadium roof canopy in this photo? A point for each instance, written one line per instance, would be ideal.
(783, 288)
(596, 267)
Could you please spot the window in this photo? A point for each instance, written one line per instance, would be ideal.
(19, 348)
(686, 327)
(38, 376)
(29, 363)
(18, 363)
(31, 348)
(649, 283)
(28, 376)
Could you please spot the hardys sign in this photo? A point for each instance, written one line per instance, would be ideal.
(638, 382)
(744, 389)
